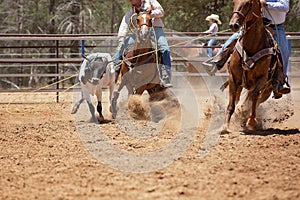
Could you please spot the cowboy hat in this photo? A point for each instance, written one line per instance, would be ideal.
(214, 17)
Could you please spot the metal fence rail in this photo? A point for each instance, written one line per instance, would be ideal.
(24, 56)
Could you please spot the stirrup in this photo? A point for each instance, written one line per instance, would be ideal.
(208, 61)
(210, 68)
(166, 84)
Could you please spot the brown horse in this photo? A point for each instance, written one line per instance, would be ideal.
(255, 63)
(141, 66)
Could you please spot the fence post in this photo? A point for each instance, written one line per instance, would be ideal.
(57, 72)
(82, 48)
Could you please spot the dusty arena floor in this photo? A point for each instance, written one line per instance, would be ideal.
(175, 152)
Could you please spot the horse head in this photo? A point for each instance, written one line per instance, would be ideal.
(144, 23)
(244, 11)
(94, 70)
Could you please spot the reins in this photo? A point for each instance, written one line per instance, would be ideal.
(154, 52)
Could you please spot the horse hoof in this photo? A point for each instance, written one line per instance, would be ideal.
(101, 119)
(94, 121)
(251, 124)
(225, 129)
(224, 132)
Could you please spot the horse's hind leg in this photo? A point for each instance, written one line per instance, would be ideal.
(251, 123)
(238, 94)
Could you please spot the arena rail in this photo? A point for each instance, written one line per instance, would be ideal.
(23, 56)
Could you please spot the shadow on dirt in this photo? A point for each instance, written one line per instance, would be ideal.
(105, 121)
(272, 131)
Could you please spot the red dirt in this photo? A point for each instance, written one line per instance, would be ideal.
(46, 154)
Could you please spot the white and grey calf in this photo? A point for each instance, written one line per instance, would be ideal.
(96, 72)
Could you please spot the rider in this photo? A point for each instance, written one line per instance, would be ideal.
(213, 29)
(274, 10)
(157, 13)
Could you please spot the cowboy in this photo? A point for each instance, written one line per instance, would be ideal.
(213, 29)
(273, 10)
(157, 13)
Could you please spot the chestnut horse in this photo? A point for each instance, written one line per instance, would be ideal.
(141, 66)
(255, 63)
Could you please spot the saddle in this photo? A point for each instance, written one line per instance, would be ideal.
(221, 59)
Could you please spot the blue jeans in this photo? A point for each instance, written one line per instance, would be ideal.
(229, 41)
(283, 45)
(211, 42)
(162, 44)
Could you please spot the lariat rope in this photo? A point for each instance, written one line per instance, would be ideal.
(180, 43)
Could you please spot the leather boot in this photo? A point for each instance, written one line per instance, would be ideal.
(280, 89)
(284, 87)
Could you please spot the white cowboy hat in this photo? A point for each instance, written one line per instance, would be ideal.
(215, 17)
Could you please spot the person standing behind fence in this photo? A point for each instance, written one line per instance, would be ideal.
(275, 11)
(213, 29)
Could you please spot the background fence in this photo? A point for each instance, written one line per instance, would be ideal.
(51, 62)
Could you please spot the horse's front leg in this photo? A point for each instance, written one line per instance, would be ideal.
(119, 86)
(233, 88)
(111, 90)
(252, 122)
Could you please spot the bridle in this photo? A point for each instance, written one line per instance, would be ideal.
(136, 14)
(149, 25)
(243, 15)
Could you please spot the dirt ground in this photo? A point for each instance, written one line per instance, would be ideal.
(172, 153)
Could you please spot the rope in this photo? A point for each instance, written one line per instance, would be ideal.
(20, 113)
(180, 43)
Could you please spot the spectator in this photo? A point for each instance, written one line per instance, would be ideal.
(213, 29)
